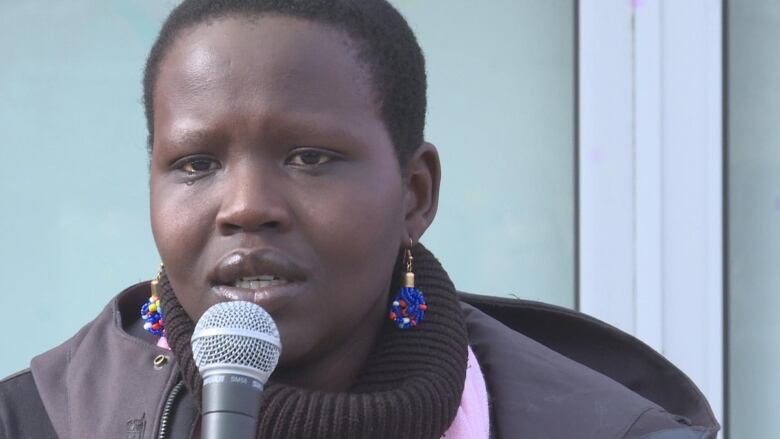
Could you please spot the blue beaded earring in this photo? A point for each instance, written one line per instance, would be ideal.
(151, 311)
(408, 307)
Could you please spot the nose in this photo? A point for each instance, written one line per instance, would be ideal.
(253, 200)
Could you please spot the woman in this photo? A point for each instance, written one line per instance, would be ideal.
(288, 168)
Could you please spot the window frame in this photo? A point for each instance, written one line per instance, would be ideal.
(651, 229)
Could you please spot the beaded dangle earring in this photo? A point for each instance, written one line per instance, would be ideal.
(408, 307)
(151, 311)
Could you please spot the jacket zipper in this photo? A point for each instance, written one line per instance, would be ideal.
(164, 420)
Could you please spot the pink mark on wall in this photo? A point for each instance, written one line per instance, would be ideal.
(777, 204)
(637, 3)
(594, 155)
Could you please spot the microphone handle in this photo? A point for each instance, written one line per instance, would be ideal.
(224, 425)
(231, 406)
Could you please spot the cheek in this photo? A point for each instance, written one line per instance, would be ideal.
(360, 220)
(180, 226)
(357, 230)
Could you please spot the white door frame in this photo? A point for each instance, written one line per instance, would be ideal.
(650, 177)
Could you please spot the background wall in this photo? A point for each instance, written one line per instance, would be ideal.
(75, 230)
(502, 113)
(754, 218)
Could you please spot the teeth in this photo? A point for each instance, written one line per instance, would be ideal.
(257, 282)
(261, 277)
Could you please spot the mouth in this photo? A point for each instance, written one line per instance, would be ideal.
(263, 276)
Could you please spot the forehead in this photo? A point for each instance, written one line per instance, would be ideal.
(264, 65)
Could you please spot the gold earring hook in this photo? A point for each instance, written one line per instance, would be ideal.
(409, 276)
(156, 281)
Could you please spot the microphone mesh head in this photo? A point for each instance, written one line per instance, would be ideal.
(236, 334)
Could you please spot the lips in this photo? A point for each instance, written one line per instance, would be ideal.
(263, 276)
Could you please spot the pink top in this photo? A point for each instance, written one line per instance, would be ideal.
(473, 418)
(163, 343)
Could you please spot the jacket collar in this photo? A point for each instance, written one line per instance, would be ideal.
(537, 392)
(102, 382)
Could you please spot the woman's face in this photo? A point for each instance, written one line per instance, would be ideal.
(274, 180)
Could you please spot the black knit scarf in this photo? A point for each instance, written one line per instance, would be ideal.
(410, 387)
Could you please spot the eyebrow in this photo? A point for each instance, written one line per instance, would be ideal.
(305, 125)
(188, 134)
(189, 137)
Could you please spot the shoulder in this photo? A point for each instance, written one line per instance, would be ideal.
(553, 372)
(21, 411)
(37, 402)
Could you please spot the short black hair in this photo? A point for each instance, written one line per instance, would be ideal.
(386, 45)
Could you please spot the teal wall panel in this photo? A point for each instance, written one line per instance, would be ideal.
(753, 168)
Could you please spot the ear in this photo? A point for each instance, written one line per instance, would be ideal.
(422, 177)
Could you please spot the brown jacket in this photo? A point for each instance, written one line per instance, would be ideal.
(550, 372)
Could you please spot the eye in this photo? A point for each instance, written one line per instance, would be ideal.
(309, 158)
(196, 165)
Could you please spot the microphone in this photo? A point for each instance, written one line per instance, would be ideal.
(236, 346)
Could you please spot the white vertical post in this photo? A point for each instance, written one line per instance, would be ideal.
(606, 174)
(651, 229)
(648, 141)
(693, 192)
